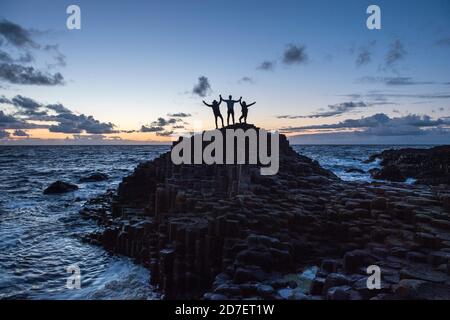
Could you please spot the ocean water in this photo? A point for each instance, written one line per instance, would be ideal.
(341, 158)
(40, 235)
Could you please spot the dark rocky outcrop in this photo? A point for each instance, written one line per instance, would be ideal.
(94, 177)
(428, 166)
(389, 172)
(226, 232)
(60, 187)
(355, 170)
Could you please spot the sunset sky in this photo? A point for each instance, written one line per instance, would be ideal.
(137, 71)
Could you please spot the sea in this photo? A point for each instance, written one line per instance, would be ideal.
(41, 235)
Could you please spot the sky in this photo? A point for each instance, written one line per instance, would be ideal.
(137, 71)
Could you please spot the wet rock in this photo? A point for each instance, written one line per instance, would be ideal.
(355, 259)
(334, 280)
(339, 293)
(60, 187)
(422, 290)
(94, 177)
(428, 166)
(389, 173)
(423, 272)
(265, 291)
(249, 274)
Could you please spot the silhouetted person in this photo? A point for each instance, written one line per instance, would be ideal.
(230, 107)
(244, 110)
(215, 106)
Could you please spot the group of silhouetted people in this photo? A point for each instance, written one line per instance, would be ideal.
(230, 109)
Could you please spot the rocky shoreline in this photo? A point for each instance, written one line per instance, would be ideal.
(426, 166)
(226, 232)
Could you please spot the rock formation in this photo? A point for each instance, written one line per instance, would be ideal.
(428, 166)
(60, 187)
(227, 232)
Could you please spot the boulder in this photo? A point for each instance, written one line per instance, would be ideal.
(422, 290)
(60, 187)
(389, 173)
(94, 177)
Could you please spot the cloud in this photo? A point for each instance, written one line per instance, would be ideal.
(151, 129)
(381, 125)
(246, 80)
(202, 88)
(58, 108)
(179, 115)
(60, 59)
(72, 123)
(164, 133)
(14, 64)
(15, 34)
(266, 66)
(393, 81)
(443, 42)
(333, 110)
(364, 57)
(376, 97)
(396, 53)
(27, 75)
(161, 122)
(295, 54)
(20, 133)
(4, 134)
(10, 122)
(66, 121)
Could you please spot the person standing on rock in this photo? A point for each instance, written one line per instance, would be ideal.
(215, 106)
(230, 107)
(244, 110)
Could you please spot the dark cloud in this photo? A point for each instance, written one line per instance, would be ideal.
(14, 64)
(4, 134)
(177, 127)
(151, 129)
(364, 57)
(67, 122)
(27, 75)
(60, 59)
(161, 122)
(72, 123)
(202, 88)
(164, 133)
(381, 124)
(333, 110)
(5, 57)
(266, 66)
(295, 54)
(25, 103)
(393, 81)
(15, 34)
(10, 122)
(396, 53)
(20, 133)
(443, 42)
(3, 99)
(179, 115)
(375, 97)
(245, 80)
(58, 108)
